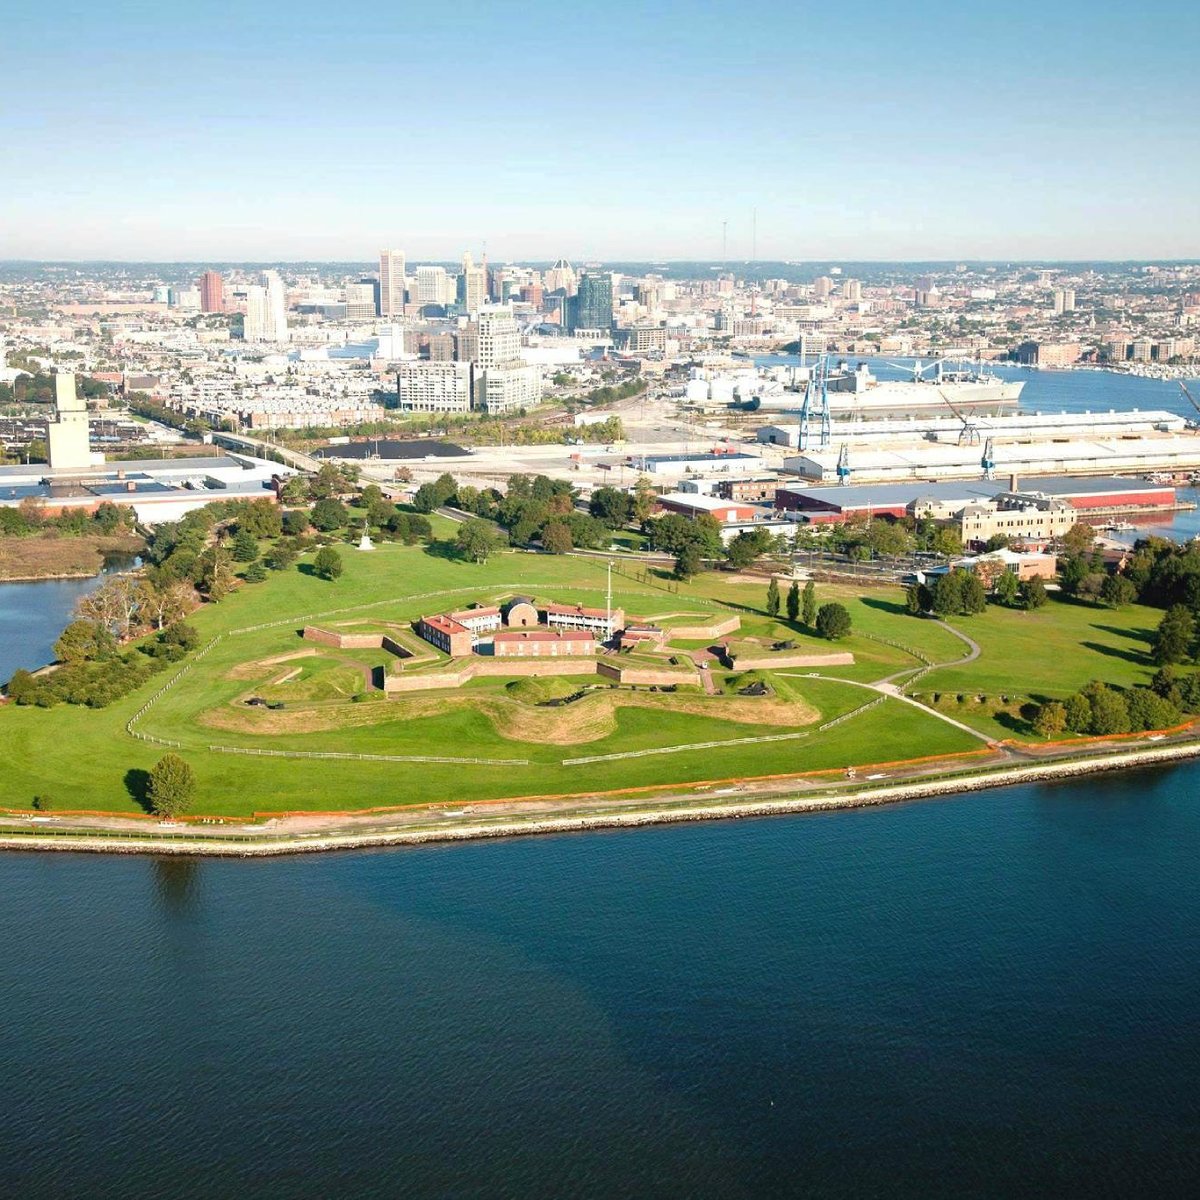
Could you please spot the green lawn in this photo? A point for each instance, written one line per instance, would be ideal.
(83, 758)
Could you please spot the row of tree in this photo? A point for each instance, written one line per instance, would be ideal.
(1098, 709)
(30, 517)
(95, 671)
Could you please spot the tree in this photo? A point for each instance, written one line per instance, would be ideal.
(1174, 637)
(295, 523)
(22, 688)
(1033, 593)
(643, 500)
(948, 593)
(280, 556)
(688, 563)
(612, 506)
(477, 539)
(1078, 539)
(1110, 713)
(1051, 719)
(328, 515)
(1148, 710)
(1117, 591)
(793, 602)
(833, 621)
(426, 498)
(809, 605)
(974, 598)
(371, 494)
(245, 546)
(213, 573)
(556, 538)
(172, 786)
(1078, 710)
(890, 539)
(255, 572)
(1072, 572)
(914, 599)
(83, 641)
(260, 518)
(747, 546)
(1007, 588)
(327, 563)
(946, 541)
(773, 597)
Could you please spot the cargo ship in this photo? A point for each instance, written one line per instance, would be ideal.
(856, 392)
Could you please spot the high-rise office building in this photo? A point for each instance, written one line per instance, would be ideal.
(472, 285)
(360, 300)
(561, 277)
(391, 283)
(434, 286)
(212, 293)
(592, 305)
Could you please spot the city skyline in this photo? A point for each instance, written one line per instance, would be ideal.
(1020, 135)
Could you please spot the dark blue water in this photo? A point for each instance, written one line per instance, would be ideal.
(32, 615)
(995, 995)
(1074, 391)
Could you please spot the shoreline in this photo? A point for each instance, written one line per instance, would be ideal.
(272, 845)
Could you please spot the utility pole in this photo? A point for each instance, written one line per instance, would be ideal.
(608, 602)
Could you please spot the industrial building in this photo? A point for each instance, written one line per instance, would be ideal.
(822, 505)
(693, 505)
(1143, 453)
(948, 427)
(713, 463)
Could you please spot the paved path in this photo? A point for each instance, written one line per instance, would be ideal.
(972, 646)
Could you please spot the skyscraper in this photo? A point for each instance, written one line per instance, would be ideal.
(212, 293)
(266, 311)
(277, 327)
(472, 285)
(561, 277)
(592, 305)
(391, 283)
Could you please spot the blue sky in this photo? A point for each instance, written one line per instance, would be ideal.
(298, 130)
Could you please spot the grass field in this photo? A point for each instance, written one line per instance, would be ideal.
(84, 759)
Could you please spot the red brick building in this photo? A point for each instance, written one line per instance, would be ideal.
(543, 643)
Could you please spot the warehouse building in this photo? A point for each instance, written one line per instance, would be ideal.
(824, 505)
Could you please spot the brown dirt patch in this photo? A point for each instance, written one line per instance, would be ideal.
(46, 557)
(587, 720)
(262, 666)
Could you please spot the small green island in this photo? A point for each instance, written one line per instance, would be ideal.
(346, 656)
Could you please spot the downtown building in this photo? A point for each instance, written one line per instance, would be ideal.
(266, 311)
(391, 283)
(212, 293)
(591, 308)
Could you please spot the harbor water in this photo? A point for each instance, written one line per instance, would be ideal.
(989, 995)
